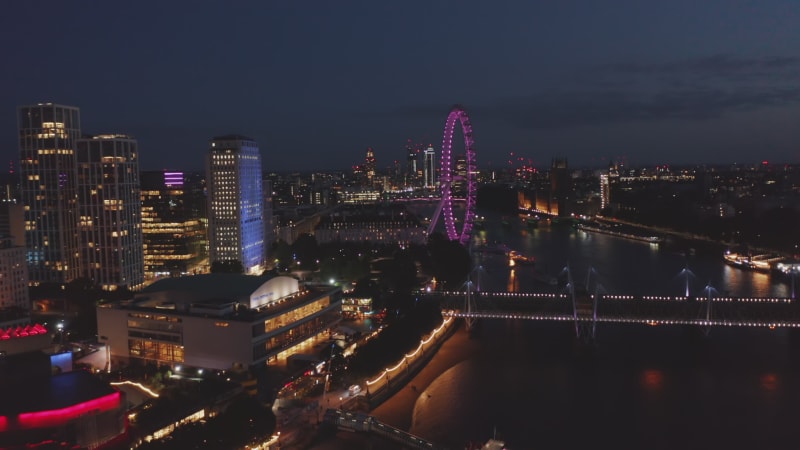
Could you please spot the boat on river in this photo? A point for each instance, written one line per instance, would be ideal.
(760, 263)
(491, 444)
(515, 258)
(623, 234)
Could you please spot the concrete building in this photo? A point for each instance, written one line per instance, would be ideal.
(235, 202)
(47, 135)
(13, 277)
(218, 321)
(378, 224)
(110, 221)
(72, 409)
(12, 221)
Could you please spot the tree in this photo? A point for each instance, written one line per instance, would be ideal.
(306, 251)
(450, 261)
(283, 254)
(229, 266)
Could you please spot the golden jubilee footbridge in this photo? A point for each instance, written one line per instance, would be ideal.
(585, 305)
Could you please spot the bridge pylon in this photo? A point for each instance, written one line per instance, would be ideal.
(584, 307)
(470, 306)
(709, 290)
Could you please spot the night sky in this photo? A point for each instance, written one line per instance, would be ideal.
(317, 82)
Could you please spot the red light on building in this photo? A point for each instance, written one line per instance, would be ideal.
(57, 417)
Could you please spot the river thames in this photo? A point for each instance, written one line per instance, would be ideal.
(656, 387)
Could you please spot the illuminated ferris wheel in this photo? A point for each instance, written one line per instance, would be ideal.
(448, 176)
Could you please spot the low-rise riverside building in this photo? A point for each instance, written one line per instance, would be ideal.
(384, 224)
(218, 321)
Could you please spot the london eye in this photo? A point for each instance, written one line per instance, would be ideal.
(448, 176)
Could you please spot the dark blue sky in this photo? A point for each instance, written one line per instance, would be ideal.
(317, 82)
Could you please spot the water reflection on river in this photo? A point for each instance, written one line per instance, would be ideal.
(639, 387)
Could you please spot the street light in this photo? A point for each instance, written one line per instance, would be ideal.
(327, 380)
(60, 328)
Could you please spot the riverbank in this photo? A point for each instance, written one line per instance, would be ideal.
(692, 237)
(398, 410)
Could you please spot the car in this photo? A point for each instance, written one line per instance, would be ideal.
(354, 390)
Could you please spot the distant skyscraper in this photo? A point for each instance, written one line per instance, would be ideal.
(459, 184)
(47, 135)
(369, 165)
(429, 168)
(412, 154)
(605, 191)
(560, 187)
(110, 211)
(173, 233)
(269, 215)
(235, 202)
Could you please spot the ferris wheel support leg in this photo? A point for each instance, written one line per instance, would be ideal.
(435, 217)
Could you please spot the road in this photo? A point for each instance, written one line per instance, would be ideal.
(397, 411)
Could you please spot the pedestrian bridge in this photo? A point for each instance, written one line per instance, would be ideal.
(587, 310)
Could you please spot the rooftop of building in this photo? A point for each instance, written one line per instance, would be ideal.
(52, 393)
(208, 286)
(217, 294)
(232, 137)
(371, 213)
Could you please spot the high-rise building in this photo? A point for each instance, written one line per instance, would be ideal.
(47, 135)
(369, 165)
(174, 235)
(412, 155)
(459, 184)
(605, 191)
(14, 278)
(560, 187)
(235, 202)
(110, 208)
(429, 168)
(269, 216)
(12, 222)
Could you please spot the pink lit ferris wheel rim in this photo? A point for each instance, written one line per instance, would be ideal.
(446, 177)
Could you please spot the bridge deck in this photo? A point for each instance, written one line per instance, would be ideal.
(729, 311)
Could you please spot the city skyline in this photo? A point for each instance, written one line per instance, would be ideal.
(316, 85)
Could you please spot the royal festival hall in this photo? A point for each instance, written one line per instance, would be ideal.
(218, 321)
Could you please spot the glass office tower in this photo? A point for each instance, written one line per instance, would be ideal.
(235, 202)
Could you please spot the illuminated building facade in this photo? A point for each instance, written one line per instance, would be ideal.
(560, 187)
(13, 277)
(412, 156)
(605, 191)
(459, 185)
(73, 409)
(173, 233)
(378, 224)
(235, 202)
(219, 321)
(369, 166)
(110, 222)
(47, 135)
(429, 168)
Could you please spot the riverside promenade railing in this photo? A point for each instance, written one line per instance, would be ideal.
(381, 387)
